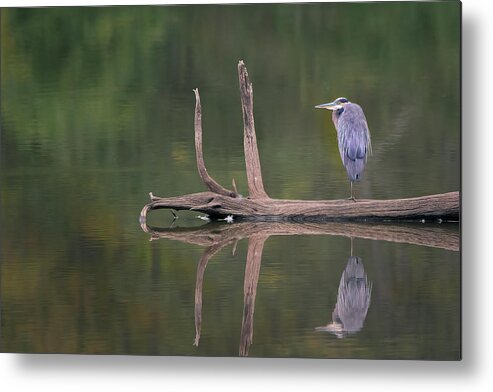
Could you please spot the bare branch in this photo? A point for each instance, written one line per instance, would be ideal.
(252, 160)
(209, 182)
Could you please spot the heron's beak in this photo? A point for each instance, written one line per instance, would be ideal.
(330, 106)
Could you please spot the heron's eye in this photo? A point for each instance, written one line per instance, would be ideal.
(343, 100)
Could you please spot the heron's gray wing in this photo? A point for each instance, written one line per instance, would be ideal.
(354, 141)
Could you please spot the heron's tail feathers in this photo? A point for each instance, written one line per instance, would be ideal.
(354, 169)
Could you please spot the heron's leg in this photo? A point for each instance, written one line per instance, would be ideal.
(352, 197)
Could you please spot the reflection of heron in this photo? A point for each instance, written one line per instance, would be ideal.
(353, 136)
(353, 300)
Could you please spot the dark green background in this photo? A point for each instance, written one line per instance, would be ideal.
(97, 110)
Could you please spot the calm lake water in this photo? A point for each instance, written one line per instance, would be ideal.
(97, 111)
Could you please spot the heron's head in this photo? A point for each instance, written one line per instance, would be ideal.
(334, 105)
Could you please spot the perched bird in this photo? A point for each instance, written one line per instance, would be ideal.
(353, 136)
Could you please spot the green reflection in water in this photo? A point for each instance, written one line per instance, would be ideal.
(97, 110)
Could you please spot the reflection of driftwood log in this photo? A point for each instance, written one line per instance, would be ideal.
(215, 236)
(220, 201)
(445, 236)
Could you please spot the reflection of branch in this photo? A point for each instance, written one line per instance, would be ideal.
(445, 236)
(199, 284)
(252, 270)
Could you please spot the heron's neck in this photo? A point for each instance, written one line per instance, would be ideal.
(336, 114)
(335, 117)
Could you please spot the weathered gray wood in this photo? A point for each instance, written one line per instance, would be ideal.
(444, 206)
(252, 160)
(209, 182)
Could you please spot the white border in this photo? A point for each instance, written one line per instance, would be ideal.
(474, 373)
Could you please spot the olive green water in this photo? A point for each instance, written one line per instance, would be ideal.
(97, 110)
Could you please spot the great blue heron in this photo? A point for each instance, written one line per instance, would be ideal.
(353, 136)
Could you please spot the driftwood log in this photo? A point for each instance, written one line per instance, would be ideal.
(220, 202)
